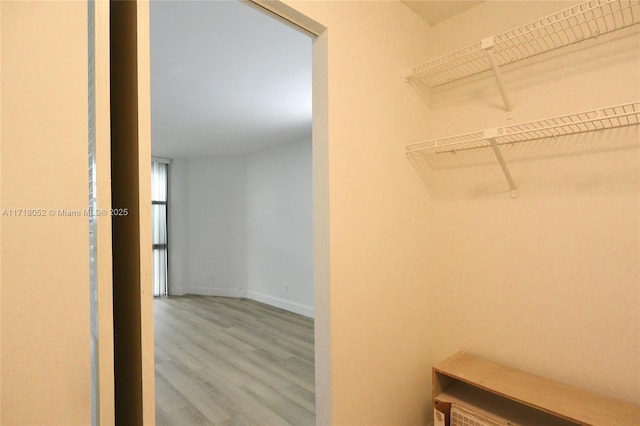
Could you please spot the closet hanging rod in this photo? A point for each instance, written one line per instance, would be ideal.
(588, 121)
(566, 27)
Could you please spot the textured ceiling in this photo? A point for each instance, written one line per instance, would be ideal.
(225, 80)
(434, 12)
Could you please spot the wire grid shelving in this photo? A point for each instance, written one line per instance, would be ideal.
(568, 26)
(589, 121)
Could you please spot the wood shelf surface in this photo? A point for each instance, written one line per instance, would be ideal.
(568, 402)
(496, 407)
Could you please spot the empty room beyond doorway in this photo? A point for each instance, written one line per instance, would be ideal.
(232, 116)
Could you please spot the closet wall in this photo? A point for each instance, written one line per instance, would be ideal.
(376, 303)
(548, 281)
(45, 259)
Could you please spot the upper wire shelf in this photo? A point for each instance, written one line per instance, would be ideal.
(588, 121)
(568, 26)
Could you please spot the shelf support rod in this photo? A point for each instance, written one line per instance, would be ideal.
(498, 74)
(487, 46)
(503, 166)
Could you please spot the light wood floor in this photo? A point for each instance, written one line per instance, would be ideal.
(224, 361)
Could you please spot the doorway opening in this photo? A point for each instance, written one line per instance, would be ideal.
(231, 113)
(129, 97)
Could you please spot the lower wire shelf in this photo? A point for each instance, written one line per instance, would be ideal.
(549, 128)
(581, 122)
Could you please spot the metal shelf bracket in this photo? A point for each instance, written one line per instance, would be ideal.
(486, 44)
(491, 135)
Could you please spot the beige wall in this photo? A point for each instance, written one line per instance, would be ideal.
(547, 282)
(378, 350)
(104, 228)
(45, 264)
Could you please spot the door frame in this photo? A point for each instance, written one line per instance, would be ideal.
(142, 307)
(320, 159)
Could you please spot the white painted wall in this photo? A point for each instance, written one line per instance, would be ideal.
(279, 227)
(216, 250)
(178, 216)
(241, 226)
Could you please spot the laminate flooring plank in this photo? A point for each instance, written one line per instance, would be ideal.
(213, 362)
(160, 355)
(304, 398)
(271, 311)
(202, 335)
(189, 315)
(239, 420)
(293, 330)
(282, 405)
(259, 340)
(281, 367)
(188, 416)
(232, 362)
(204, 309)
(162, 418)
(183, 358)
(168, 398)
(250, 368)
(241, 402)
(191, 322)
(199, 329)
(203, 398)
(231, 311)
(301, 350)
(289, 341)
(299, 366)
(213, 319)
(214, 306)
(233, 342)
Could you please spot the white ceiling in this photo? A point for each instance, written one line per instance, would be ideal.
(225, 80)
(434, 12)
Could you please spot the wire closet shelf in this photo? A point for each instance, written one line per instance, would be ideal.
(568, 26)
(554, 127)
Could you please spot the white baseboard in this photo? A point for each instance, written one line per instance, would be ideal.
(298, 308)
